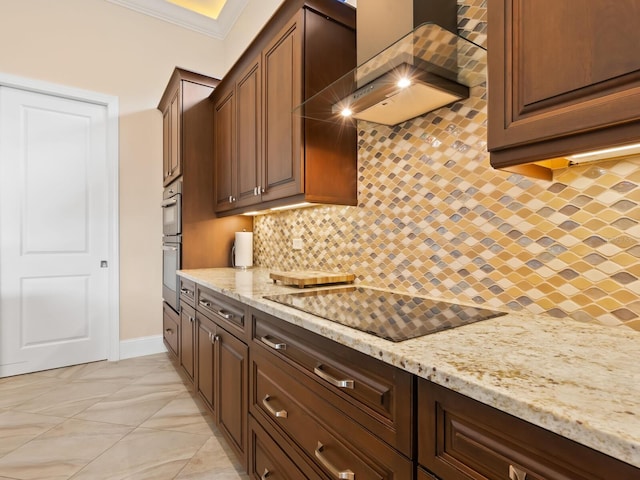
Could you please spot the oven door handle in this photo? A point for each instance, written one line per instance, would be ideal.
(169, 202)
(169, 249)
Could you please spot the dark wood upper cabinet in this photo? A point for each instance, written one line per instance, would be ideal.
(564, 78)
(282, 71)
(171, 152)
(188, 151)
(279, 157)
(224, 134)
(249, 127)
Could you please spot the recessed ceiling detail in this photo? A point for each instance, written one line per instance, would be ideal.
(208, 8)
(209, 17)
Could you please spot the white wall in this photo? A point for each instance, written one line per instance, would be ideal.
(96, 45)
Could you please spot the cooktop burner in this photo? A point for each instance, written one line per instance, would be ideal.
(392, 316)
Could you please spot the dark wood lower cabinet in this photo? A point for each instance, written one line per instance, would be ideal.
(187, 338)
(222, 380)
(267, 460)
(170, 330)
(206, 361)
(283, 399)
(232, 390)
(462, 439)
(293, 405)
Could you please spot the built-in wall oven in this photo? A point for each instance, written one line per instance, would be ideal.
(171, 243)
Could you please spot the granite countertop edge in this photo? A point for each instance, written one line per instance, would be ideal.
(578, 380)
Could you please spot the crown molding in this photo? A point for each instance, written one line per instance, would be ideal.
(185, 18)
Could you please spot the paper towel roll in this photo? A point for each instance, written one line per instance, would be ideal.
(243, 249)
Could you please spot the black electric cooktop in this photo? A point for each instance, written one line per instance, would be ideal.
(392, 316)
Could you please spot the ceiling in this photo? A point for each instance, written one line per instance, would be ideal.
(209, 17)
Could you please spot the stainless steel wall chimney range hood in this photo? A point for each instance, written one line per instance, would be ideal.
(427, 68)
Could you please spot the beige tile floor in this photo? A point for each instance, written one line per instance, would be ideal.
(132, 419)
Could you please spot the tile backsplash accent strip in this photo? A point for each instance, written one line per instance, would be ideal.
(435, 219)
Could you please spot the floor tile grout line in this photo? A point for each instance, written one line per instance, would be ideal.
(102, 453)
(37, 436)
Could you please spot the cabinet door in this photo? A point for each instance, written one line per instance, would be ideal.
(249, 124)
(166, 145)
(171, 329)
(232, 380)
(187, 336)
(558, 70)
(224, 151)
(206, 337)
(172, 138)
(282, 92)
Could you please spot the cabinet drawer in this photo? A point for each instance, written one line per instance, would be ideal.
(170, 329)
(222, 310)
(460, 439)
(377, 395)
(268, 460)
(281, 396)
(187, 291)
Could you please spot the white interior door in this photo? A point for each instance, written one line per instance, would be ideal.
(54, 232)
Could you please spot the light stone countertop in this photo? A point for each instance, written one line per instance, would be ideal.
(579, 380)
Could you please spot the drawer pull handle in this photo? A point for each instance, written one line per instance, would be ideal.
(273, 411)
(333, 381)
(186, 291)
(516, 473)
(204, 303)
(265, 475)
(341, 475)
(168, 331)
(275, 346)
(224, 314)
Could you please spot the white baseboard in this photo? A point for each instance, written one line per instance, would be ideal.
(138, 347)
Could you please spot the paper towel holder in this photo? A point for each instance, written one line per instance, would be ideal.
(233, 252)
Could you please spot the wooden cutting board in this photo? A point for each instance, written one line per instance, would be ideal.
(311, 278)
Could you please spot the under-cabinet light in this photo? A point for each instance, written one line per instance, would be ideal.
(346, 112)
(605, 153)
(289, 207)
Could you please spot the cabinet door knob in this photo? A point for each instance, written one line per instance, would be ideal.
(339, 474)
(216, 338)
(516, 473)
(265, 475)
(273, 411)
(168, 331)
(191, 319)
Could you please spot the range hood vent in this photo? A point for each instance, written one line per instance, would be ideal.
(428, 68)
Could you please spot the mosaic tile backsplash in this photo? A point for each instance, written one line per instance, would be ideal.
(435, 219)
